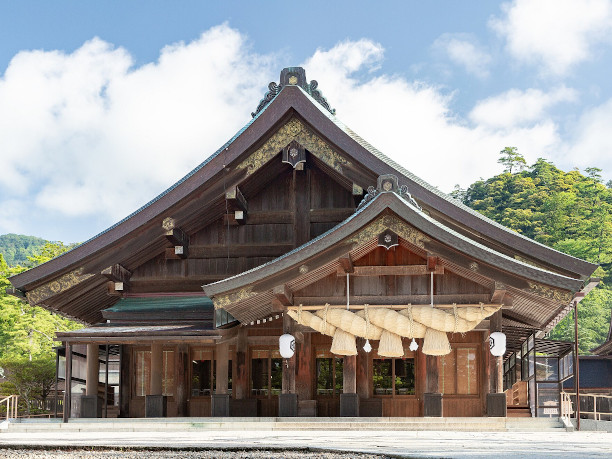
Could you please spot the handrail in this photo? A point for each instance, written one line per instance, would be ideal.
(567, 410)
(11, 402)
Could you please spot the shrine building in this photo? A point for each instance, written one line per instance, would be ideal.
(298, 271)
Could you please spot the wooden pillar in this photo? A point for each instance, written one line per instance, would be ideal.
(221, 362)
(156, 369)
(432, 398)
(363, 382)
(349, 399)
(240, 381)
(301, 206)
(431, 369)
(350, 374)
(125, 376)
(496, 382)
(93, 369)
(68, 383)
(303, 363)
(288, 383)
(182, 384)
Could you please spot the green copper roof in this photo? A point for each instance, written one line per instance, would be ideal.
(163, 303)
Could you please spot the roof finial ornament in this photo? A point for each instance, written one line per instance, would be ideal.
(388, 183)
(293, 76)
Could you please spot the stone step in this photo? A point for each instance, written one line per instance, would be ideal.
(271, 424)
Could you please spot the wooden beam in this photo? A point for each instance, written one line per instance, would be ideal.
(277, 306)
(330, 215)
(234, 251)
(176, 237)
(111, 290)
(399, 270)
(117, 273)
(460, 298)
(432, 263)
(498, 294)
(283, 294)
(346, 264)
(235, 199)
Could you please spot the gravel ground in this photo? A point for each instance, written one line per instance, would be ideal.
(154, 454)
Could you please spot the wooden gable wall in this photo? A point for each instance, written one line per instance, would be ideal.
(286, 208)
(393, 289)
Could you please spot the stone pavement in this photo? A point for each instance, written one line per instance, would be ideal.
(392, 443)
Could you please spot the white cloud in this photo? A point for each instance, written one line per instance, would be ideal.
(463, 51)
(591, 145)
(87, 134)
(413, 123)
(518, 108)
(554, 34)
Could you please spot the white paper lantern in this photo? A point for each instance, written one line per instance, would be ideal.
(286, 344)
(497, 344)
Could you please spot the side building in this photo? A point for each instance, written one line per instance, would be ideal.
(385, 289)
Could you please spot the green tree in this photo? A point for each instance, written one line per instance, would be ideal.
(511, 159)
(569, 211)
(30, 378)
(28, 330)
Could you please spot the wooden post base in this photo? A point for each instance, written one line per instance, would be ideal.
(349, 405)
(287, 405)
(90, 407)
(156, 406)
(496, 405)
(433, 405)
(220, 405)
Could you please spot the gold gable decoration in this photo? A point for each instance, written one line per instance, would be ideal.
(390, 222)
(294, 130)
(57, 286)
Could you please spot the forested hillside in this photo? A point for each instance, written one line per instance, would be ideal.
(16, 248)
(568, 211)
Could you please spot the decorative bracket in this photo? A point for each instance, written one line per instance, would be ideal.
(387, 239)
(176, 237)
(388, 183)
(294, 154)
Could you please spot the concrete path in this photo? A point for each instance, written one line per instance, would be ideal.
(393, 443)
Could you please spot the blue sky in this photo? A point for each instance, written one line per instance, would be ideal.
(105, 104)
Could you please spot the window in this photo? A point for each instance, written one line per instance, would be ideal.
(143, 372)
(394, 376)
(266, 372)
(458, 372)
(329, 373)
(202, 372)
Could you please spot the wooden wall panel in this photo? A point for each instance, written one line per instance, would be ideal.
(200, 407)
(401, 407)
(457, 406)
(268, 407)
(328, 407)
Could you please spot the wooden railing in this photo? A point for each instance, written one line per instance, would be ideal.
(601, 406)
(11, 406)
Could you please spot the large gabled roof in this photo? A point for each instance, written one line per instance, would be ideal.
(140, 235)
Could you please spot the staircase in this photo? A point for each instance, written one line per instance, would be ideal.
(482, 424)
